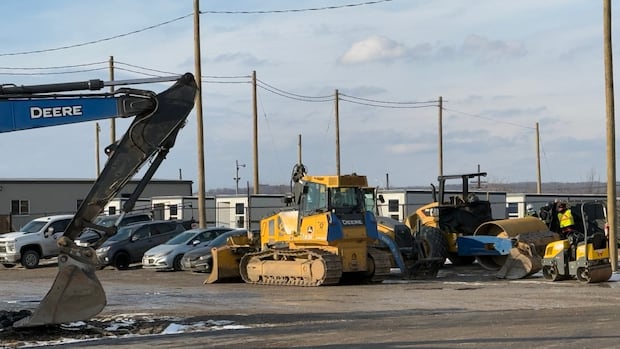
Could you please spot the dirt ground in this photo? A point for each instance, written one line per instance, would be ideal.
(464, 307)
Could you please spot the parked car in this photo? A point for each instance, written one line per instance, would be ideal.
(130, 242)
(34, 241)
(200, 259)
(89, 236)
(167, 256)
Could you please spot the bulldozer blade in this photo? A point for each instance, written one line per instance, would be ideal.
(76, 295)
(225, 265)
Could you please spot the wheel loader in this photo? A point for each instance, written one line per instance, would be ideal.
(584, 253)
(330, 237)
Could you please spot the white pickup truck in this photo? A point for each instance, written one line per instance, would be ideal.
(36, 241)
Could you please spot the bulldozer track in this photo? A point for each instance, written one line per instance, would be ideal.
(382, 265)
(331, 262)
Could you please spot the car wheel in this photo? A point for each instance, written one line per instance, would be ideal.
(176, 263)
(30, 259)
(121, 261)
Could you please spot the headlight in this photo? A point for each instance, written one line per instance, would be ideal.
(205, 257)
(103, 249)
(10, 246)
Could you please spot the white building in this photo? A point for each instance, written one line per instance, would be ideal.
(183, 207)
(401, 203)
(516, 203)
(246, 211)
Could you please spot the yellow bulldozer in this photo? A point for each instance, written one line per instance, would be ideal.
(329, 237)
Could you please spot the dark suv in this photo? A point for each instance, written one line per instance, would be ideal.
(89, 236)
(131, 241)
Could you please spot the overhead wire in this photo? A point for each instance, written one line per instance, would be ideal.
(137, 31)
(333, 7)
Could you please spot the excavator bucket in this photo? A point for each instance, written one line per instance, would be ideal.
(77, 294)
(225, 265)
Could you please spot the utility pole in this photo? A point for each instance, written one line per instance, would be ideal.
(255, 131)
(337, 112)
(112, 120)
(199, 124)
(237, 178)
(440, 134)
(611, 135)
(299, 149)
(97, 130)
(538, 178)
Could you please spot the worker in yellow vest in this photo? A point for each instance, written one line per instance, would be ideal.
(565, 217)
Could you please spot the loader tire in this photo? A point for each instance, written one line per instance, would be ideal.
(434, 241)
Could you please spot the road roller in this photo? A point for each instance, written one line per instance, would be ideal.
(584, 252)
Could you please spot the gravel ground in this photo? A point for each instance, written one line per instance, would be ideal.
(464, 307)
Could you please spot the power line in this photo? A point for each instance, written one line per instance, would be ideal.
(293, 94)
(95, 41)
(55, 67)
(54, 73)
(386, 104)
(334, 7)
(185, 16)
(488, 118)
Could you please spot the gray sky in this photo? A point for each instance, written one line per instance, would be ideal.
(499, 66)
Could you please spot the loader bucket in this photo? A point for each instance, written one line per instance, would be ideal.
(76, 295)
(225, 265)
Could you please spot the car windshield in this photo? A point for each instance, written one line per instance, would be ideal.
(121, 234)
(33, 226)
(221, 240)
(183, 237)
(106, 221)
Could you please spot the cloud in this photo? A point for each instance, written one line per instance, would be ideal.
(476, 47)
(372, 49)
(246, 59)
(486, 50)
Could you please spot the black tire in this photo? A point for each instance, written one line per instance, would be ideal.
(455, 259)
(7, 265)
(176, 263)
(434, 241)
(30, 259)
(121, 261)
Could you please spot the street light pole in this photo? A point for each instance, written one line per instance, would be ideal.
(237, 178)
